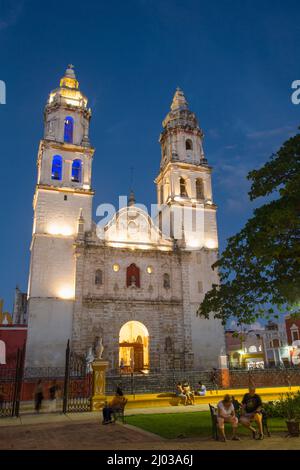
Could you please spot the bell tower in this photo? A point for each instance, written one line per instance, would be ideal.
(187, 213)
(62, 203)
(184, 189)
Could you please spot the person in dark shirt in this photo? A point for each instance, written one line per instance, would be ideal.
(251, 411)
(119, 390)
(38, 396)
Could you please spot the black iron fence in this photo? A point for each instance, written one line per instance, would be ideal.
(77, 396)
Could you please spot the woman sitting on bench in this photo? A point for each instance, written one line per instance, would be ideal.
(226, 414)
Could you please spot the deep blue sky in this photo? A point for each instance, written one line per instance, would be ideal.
(234, 59)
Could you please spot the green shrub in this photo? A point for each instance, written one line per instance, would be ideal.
(288, 407)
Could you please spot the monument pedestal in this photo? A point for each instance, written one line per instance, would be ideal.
(224, 372)
(99, 380)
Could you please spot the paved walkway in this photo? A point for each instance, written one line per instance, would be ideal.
(44, 417)
(84, 431)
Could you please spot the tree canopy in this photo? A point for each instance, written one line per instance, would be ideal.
(260, 268)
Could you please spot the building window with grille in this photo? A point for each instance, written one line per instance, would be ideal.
(166, 281)
(98, 277)
(188, 144)
(294, 333)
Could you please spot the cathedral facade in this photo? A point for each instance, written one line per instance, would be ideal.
(135, 282)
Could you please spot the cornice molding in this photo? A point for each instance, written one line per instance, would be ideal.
(64, 189)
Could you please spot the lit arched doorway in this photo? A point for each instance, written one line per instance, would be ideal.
(134, 347)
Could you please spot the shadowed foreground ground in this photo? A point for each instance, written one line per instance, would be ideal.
(83, 434)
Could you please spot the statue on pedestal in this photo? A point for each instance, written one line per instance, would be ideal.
(99, 348)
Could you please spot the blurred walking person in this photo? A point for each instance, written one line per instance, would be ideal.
(38, 396)
(53, 396)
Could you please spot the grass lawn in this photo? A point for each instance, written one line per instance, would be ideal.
(196, 424)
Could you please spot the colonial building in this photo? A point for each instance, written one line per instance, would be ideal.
(267, 347)
(12, 333)
(277, 352)
(292, 326)
(245, 349)
(134, 283)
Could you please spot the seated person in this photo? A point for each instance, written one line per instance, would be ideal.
(226, 414)
(180, 393)
(189, 393)
(106, 412)
(116, 405)
(252, 411)
(201, 389)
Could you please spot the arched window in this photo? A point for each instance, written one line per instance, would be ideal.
(76, 171)
(98, 277)
(56, 173)
(133, 276)
(188, 144)
(199, 189)
(2, 352)
(166, 281)
(68, 132)
(183, 192)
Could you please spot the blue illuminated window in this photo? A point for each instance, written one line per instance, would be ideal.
(76, 171)
(57, 164)
(69, 125)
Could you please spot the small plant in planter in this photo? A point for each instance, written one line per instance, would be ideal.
(289, 408)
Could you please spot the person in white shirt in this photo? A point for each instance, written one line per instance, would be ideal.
(201, 389)
(226, 414)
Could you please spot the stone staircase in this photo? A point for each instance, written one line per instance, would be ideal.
(156, 382)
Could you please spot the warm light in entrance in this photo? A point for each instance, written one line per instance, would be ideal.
(134, 347)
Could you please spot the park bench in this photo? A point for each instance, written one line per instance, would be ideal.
(214, 421)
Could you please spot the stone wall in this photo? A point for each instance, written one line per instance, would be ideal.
(264, 378)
